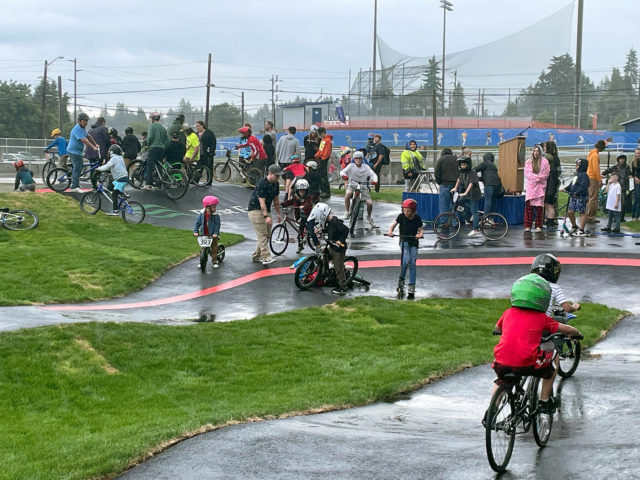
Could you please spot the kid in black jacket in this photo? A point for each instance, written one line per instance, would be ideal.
(578, 195)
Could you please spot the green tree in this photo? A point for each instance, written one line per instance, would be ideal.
(458, 106)
(225, 119)
(19, 115)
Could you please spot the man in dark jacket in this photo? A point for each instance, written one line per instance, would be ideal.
(130, 146)
(490, 179)
(208, 145)
(624, 174)
(380, 153)
(100, 133)
(446, 173)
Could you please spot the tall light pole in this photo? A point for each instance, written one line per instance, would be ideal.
(44, 91)
(445, 5)
(375, 34)
(577, 99)
(75, 88)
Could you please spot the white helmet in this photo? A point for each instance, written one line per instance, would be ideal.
(346, 151)
(319, 213)
(302, 184)
(358, 154)
(312, 165)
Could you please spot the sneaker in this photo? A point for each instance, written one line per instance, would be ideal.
(615, 230)
(536, 230)
(345, 215)
(77, 190)
(300, 248)
(215, 265)
(580, 233)
(411, 294)
(112, 214)
(574, 230)
(473, 233)
(147, 187)
(199, 266)
(268, 261)
(547, 406)
(372, 223)
(338, 291)
(256, 259)
(527, 229)
(605, 229)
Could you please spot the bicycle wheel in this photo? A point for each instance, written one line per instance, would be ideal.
(253, 175)
(279, 239)
(222, 172)
(494, 226)
(59, 179)
(350, 268)
(204, 256)
(221, 252)
(175, 183)
(308, 272)
(46, 168)
(542, 422)
(20, 220)
(500, 428)
(132, 212)
(569, 357)
(201, 176)
(136, 173)
(90, 202)
(446, 225)
(353, 214)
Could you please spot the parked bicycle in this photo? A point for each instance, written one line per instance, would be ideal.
(59, 178)
(205, 243)
(249, 174)
(515, 404)
(279, 239)
(130, 210)
(199, 175)
(173, 181)
(18, 219)
(448, 224)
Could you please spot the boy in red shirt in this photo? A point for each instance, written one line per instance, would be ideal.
(291, 172)
(521, 328)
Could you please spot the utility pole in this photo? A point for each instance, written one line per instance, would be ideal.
(434, 126)
(445, 5)
(206, 113)
(274, 89)
(576, 102)
(44, 103)
(375, 34)
(59, 102)
(349, 94)
(242, 108)
(75, 88)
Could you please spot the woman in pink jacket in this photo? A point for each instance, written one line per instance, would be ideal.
(536, 172)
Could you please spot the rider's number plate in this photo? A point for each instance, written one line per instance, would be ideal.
(205, 241)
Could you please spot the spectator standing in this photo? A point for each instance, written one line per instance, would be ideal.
(412, 163)
(193, 145)
(595, 180)
(614, 200)
(288, 146)
(322, 156)
(157, 141)
(176, 126)
(491, 181)
(311, 143)
(208, 144)
(553, 183)
(130, 146)
(624, 174)
(635, 170)
(270, 150)
(259, 211)
(536, 172)
(446, 174)
(100, 134)
(381, 155)
(269, 131)
(78, 138)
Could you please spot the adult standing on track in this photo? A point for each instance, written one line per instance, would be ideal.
(78, 138)
(208, 145)
(287, 146)
(157, 140)
(412, 163)
(176, 126)
(100, 134)
(193, 145)
(553, 183)
(311, 144)
(491, 181)
(635, 171)
(536, 172)
(446, 174)
(595, 179)
(259, 211)
(380, 156)
(268, 130)
(322, 156)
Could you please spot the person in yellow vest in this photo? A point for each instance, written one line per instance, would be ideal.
(193, 145)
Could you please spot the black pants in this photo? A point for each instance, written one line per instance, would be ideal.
(323, 169)
(207, 161)
(377, 171)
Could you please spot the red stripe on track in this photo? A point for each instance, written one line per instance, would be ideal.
(425, 262)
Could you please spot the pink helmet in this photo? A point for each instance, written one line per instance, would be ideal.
(209, 200)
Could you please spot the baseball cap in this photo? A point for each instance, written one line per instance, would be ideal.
(275, 169)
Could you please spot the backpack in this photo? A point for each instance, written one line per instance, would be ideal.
(387, 156)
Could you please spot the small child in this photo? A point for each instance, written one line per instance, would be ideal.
(176, 150)
(291, 172)
(614, 192)
(410, 231)
(118, 170)
(468, 187)
(60, 143)
(24, 178)
(130, 146)
(578, 195)
(208, 223)
(304, 203)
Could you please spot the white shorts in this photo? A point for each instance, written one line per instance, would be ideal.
(364, 194)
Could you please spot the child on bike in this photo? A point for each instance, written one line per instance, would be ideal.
(118, 170)
(521, 327)
(468, 188)
(578, 195)
(549, 268)
(303, 203)
(24, 177)
(208, 223)
(60, 143)
(323, 222)
(358, 173)
(291, 172)
(410, 231)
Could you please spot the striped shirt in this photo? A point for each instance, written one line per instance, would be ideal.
(557, 298)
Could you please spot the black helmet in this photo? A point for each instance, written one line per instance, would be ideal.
(547, 266)
(115, 149)
(464, 160)
(83, 116)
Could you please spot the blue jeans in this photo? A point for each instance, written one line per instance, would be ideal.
(489, 198)
(409, 257)
(445, 202)
(471, 206)
(76, 161)
(635, 213)
(154, 158)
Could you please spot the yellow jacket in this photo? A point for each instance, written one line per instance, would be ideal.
(593, 170)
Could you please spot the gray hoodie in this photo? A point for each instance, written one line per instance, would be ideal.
(287, 146)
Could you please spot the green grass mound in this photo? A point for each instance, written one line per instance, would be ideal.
(74, 257)
(86, 400)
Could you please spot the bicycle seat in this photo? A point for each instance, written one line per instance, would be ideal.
(4, 209)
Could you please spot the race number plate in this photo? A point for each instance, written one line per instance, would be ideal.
(205, 241)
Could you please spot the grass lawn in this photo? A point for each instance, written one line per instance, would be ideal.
(87, 400)
(392, 195)
(74, 257)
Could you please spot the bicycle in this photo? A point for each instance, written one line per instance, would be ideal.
(356, 202)
(50, 164)
(250, 175)
(447, 225)
(279, 238)
(173, 181)
(569, 348)
(199, 175)
(59, 179)
(18, 219)
(130, 210)
(205, 250)
(515, 403)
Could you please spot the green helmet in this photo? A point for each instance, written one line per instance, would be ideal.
(531, 291)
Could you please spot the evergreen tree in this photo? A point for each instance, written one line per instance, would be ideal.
(458, 105)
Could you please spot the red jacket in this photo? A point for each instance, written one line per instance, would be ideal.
(257, 150)
(324, 150)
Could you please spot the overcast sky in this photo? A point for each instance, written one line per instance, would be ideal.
(141, 46)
